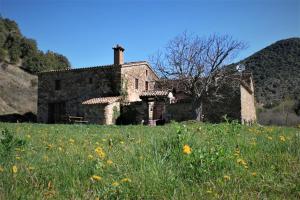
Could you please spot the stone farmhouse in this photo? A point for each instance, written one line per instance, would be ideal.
(126, 93)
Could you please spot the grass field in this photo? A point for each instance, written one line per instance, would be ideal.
(176, 161)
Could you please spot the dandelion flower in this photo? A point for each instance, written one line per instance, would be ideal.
(115, 184)
(241, 161)
(96, 178)
(282, 138)
(270, 138)
(14, 169)
(100, 152)
(90, 157)
(226, 177)
(126, 180)
(109, 162)
(209, 191)
(187, 149)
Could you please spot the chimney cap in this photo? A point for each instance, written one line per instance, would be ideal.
(118, 47)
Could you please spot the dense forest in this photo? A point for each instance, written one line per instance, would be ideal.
(276, 72)
(18, 50)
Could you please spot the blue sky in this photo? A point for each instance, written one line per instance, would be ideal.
(86, 30)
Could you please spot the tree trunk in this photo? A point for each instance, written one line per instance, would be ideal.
(198, 108)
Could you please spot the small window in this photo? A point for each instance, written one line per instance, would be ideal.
(136, 84)
(146, 85)
(146, 72)
(57, 85)
(90, 80)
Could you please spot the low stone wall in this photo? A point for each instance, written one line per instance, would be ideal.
(179, 111)
(133, 113)
(94, 114)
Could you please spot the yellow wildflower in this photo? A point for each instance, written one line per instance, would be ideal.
(14, 169)
(46, 158)
(100, 152)
(270, 138)
(115, 184)
(209, 191)
(1, 169)
(96, 178)
(122, 142)
(126, 180)
(226, 177)
(90, 157)
(241, 161)
(187, 149)
(109, 162)
(282, 138)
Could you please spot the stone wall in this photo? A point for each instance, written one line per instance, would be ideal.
(181, 111)
(133, 113)
(95, 114)
(142, 73)
(76, 86)
(248, 111)
(111, 113)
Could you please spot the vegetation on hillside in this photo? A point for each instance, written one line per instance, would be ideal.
(276, 72)
(176, 161)
(19, 50)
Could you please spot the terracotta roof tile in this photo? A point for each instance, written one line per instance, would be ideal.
(101, 100)
(154, 93)
(126, 64)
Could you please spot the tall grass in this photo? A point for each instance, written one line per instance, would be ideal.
(137, 162)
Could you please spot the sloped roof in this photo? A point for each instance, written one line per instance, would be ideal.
(102, 100)
(152, 93)
(126, 64)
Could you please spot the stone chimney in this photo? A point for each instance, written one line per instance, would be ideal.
(118, 55)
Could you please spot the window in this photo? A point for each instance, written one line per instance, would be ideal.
(146, 85)
(146, 72)
(57, 85)
(136, 84)
(90, 80)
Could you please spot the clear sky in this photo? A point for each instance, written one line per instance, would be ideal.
(86, 30)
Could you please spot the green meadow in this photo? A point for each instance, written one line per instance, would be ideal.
(176, 161)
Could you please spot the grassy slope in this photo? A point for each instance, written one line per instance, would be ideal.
(18, 90)
(58, 161)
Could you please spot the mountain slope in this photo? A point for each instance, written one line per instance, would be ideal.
(276, 71)
(18, 90)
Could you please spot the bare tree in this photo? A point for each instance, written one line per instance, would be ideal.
(197, 64)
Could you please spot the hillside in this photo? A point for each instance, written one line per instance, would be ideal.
(20, 59)
(18, 90)
(276, 71)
